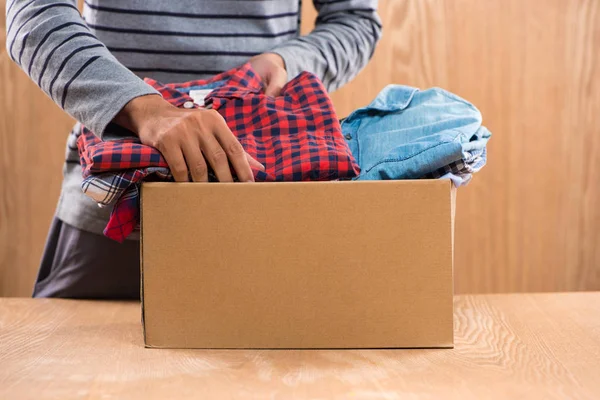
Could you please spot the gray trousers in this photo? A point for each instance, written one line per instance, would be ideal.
(84, 265)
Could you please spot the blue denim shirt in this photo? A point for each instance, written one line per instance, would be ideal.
(406, 133)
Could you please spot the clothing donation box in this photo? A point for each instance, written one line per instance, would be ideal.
(298, 264)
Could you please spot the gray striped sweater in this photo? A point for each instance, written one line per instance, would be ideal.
(91, 65)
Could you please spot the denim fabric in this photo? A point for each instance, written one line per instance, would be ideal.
(210, 85)
(406, 133)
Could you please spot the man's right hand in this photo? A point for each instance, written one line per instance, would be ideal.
(188, 139)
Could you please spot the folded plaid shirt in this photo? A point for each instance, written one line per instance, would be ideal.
(460, 172)
(296, 136)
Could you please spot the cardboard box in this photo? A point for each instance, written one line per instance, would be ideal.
(298, 264)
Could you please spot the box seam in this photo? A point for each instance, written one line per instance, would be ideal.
(143, 308)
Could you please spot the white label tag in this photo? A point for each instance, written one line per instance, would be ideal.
(199, 95)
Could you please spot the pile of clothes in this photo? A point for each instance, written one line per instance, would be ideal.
(404, 133)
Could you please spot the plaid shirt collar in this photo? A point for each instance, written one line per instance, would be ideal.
(296, 136)
(237, 81)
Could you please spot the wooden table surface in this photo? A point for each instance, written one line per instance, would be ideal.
(507, 346)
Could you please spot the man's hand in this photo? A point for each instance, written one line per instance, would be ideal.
(188, 139)
(271, 68)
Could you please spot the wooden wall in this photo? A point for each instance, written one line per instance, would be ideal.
(530, 221)
(33, 132)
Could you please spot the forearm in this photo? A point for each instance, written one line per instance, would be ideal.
(49, 40)
(341, 44)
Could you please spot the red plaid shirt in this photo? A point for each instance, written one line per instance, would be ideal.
(296, 136)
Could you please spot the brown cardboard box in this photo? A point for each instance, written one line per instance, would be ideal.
(298, 264)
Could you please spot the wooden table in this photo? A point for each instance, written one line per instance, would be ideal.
(507, 346)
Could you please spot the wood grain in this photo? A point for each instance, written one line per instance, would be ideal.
(530, 221)
(33, 132)
(544, 346)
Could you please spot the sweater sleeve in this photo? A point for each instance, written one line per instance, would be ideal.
(50, 41)
(342, 43)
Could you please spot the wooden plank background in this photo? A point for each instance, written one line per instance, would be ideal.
(530, 221)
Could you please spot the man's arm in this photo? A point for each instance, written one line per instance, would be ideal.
(50, 41)
(343, 41)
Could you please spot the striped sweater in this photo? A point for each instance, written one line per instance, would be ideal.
(91, 64)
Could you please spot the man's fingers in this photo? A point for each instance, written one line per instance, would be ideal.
(177, 165)
(254, 163)
(238, 159)
(237, 156)
(212, 144)
(234, 150)
(217, 158)
(195, 161)
(276, 82)
(273, 89)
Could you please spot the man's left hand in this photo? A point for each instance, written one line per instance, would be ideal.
(271, 68)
